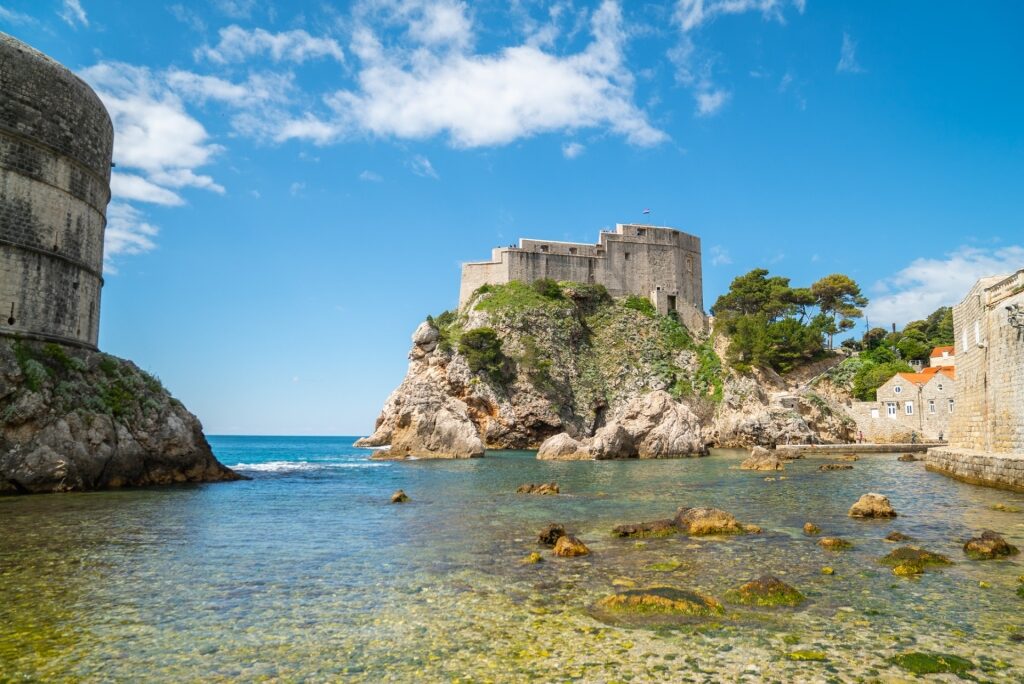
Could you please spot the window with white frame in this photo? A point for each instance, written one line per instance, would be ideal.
(940, 386)
(874, 413)
(890, 408)
(931, 406)
(897, 389)
(909, 408)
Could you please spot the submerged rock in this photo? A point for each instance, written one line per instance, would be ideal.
(897, 537)
(704, 521)
(762, 459)
(569, 546)
(872, 506)
(932, 663)
(848, 457)
(810, 529)
(655, 528)
(542, 488)
(765, 591)
(908, 458)
(988, 546)
(667, 600)
(399, 497)
(834, 544)
(909, 560)
(77, 420)
(533, 558)
(550, 535)
(835, 466)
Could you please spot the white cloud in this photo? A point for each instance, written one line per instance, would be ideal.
(571, 150)
(258, 88)
(187, 17)
(296, 188)
(128, 186)
(690, 14)
(719, 255)
(493, 99)
(238, 44)
(848, 56)
(12, 17)
(926, 284)
(421, 166)
(127, 233)
(73, 13)
(370, 176)
(710, 102)
(236, 9)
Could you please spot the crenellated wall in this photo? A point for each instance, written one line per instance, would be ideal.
(56, 140)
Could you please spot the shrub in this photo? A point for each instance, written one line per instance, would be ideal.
(481, 348)
(546, 287)
(870, 376)
(641, 304)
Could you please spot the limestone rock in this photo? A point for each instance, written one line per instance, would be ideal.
(667, 600)
(569, 546)
(810, 529)
(897, 537)
(872, 506)
(848, 457)
(550, 535)
(834, 543)
(765, 591)
(835, 466)
(562, 447)
(988, 546)
(908, 458)
(399, 497)
(76, 420)
(704, 521)
(762, 459)
(542, 488)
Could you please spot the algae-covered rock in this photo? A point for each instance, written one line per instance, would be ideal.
(835, 466)
(569, 546)
(908, 561)
(399, 496)
(762, 459)
(848, 457)
(872, 506)
(533, 558)
(666, 600)
(988, 546)
(810, 529)
(810, 656)
(77, 420)
(908, 458)
(664, 566)
(834, 544)
(897, 537)
(932, 663)
(827, 570)
(765, 591)
(542, 488)
(550, 535)
(704, 521)
(1005, 508)
(654, 528)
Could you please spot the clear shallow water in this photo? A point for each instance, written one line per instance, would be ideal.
(306, 572)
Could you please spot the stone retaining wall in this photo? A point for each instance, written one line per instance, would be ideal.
(977, 467)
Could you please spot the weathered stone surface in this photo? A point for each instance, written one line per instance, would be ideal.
(550, 535)
(665, 600)
(909, 561)
(762, 459)
(835, 466)
(74, 420)
(834, 544)
(766, 590)
(988, 546)
(399, 496)
(542, 488)
(704, 521)
(562, 447)
(569, 546)
(655, 528)
(908, 458)
(872, 506)
(810, 529)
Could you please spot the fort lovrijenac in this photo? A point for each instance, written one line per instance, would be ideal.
(661, 263)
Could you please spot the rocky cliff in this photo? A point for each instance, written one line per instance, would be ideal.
(72, 419)
(519, 365)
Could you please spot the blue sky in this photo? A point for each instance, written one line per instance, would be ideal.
(298, 182)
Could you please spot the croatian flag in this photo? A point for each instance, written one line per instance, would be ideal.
(647, 211)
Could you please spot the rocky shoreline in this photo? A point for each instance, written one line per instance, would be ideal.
(78, 420)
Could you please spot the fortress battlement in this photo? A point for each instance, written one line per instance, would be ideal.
(658, 262)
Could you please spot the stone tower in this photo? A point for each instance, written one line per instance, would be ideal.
(56, 140)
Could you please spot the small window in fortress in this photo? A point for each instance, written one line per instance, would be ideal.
(543, 248)
(671, 302)
(627, 256)
(640, 232)
(573, 250)
(951, 405)
(689, 264)
(11, 319)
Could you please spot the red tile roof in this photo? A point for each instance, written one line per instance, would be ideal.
(937, 352)
(927, 374)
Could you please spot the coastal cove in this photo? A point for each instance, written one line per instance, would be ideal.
(306, 571)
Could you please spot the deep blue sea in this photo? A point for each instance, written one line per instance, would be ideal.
(306, 572)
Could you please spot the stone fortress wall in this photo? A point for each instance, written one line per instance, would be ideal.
(986, 436)
(660, 263)
(56, 140)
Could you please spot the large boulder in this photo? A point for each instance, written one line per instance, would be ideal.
(765, 591)
(872, 506)
(665, 600)
(569, 546)
(562, 447)
(988, 546)
(75, 420)
(704, 521)
(762, 459)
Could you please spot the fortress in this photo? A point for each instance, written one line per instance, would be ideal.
(56, 140)
(650, 261)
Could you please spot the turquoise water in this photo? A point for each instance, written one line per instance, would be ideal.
(306, 572)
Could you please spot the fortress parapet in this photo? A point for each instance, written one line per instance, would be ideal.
(661, 263)
(56, 140)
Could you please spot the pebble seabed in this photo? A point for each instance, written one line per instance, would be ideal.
(309, 573)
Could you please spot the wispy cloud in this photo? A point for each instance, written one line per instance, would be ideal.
(238, 44)
(709, 103)
(127, 233)
(370, 176)
(12, 17)
(719, 255)
(73, 13)
(296, 188)
(421, 166)
(848, 57)
(571, 150)
(926, 284)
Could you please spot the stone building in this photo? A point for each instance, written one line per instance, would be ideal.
(986, 435)
(909, 404)
(942, 356)
(661, 263)
(55, 150)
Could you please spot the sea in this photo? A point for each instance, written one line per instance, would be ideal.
(307, 573)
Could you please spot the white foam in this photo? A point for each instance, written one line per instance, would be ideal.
(299, 466)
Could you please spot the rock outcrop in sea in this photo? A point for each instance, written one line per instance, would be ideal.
(75, 420)
(575, 374)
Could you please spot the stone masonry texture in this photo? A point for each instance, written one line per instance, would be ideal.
(56, 141)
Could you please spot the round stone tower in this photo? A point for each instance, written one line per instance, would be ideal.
(56, 140)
